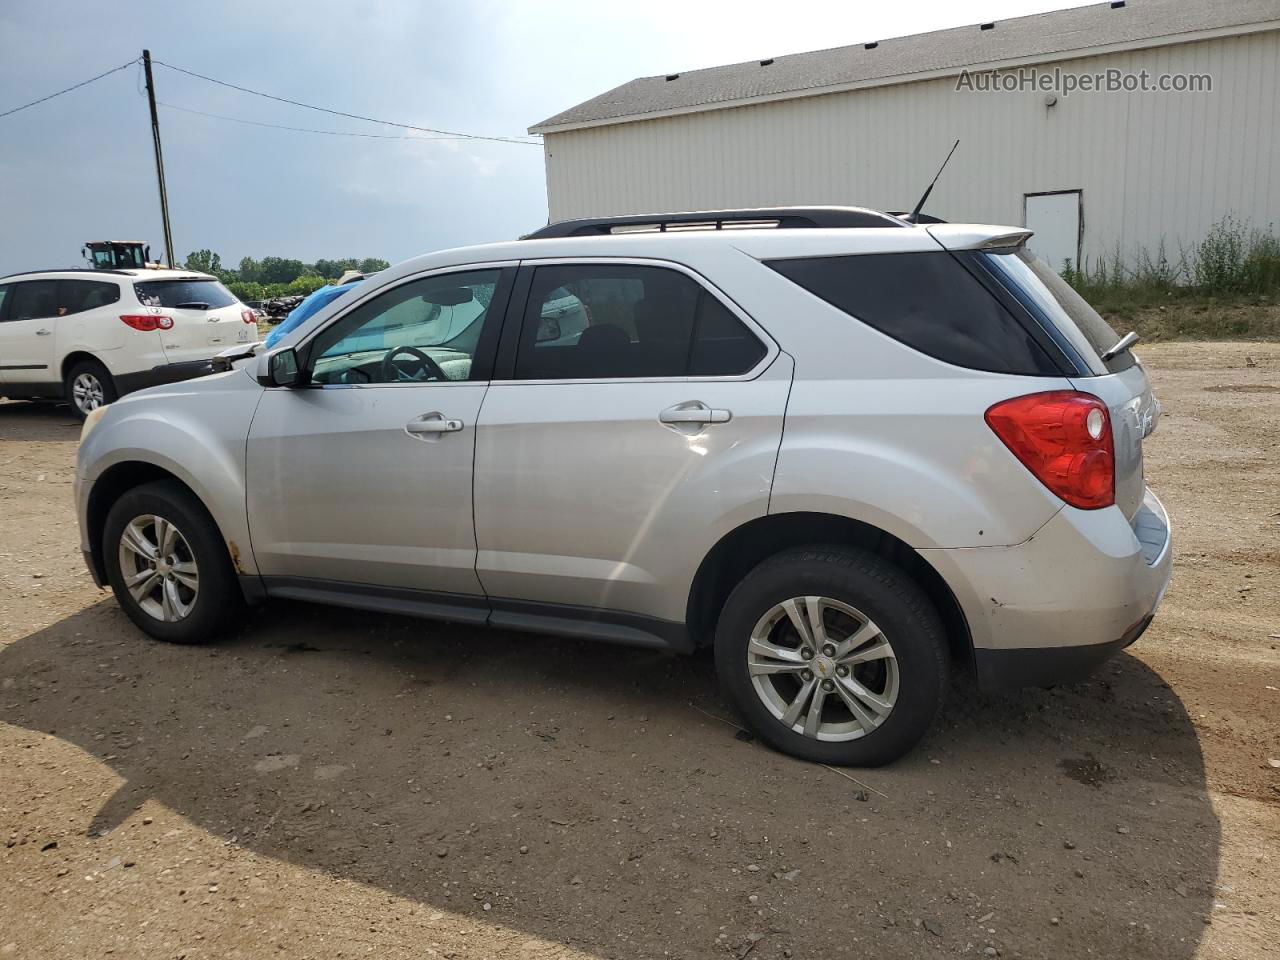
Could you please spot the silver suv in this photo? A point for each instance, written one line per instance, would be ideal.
(852, 453)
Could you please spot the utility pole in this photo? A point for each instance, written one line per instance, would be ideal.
(155, 136)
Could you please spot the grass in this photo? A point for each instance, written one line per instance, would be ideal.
(1225, 287)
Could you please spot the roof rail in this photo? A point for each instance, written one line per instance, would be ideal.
(774, 217)
(23, 273)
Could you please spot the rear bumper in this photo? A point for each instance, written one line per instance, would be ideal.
(1048, 666)
(162, 374)
(1052, 609)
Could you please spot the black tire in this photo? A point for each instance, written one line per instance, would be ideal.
(92, 372)
(218, 601)
(881, 592)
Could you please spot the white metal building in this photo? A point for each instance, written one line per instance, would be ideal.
(1092, 172)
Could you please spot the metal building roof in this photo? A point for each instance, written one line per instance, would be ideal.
(1128, 25)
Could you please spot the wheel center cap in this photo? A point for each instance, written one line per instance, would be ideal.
(824, 668)
(162, 568)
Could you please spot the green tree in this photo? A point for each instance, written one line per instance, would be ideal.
(205, 261)
(249, 271)
(305, 284)
(280, 270)
(372, 265)
(332, 269)
(246, 290)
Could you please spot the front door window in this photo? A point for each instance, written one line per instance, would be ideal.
(421, 331)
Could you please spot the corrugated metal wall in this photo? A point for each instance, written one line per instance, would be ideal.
(1154, 167)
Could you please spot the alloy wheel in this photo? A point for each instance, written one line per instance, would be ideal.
(823, 668)
(87, 393)
(159, 568)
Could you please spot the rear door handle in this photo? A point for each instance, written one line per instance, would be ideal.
(43, 333)
(432, 423)
(694, 411)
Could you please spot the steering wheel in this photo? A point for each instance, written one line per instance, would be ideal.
(393, 372)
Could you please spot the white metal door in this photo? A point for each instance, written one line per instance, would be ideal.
(1056, 219)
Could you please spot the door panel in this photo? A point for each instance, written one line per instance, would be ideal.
(364, 476)
(339, 489)
(27, 337)
(583, 496)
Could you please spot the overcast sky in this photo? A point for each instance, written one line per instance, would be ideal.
(80, 167)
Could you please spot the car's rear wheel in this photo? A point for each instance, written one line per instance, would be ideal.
(833, 654)
(167, 565)
(89, 386)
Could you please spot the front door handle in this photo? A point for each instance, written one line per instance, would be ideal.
(694, 411)
(43, 333)
(432, 423)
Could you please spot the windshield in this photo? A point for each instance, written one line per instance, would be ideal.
(173, 293)
(1084, 328)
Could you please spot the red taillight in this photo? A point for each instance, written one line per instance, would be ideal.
(247, 316)
(1064, 438)
(147, 322)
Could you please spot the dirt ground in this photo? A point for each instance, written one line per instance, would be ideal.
(334, 784)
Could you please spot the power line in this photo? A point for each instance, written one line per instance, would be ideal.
(278, 126)
(340, 113)
(83, 83)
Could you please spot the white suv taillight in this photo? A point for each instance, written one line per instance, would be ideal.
(147, 322)
(1064, 438)
(248, 317)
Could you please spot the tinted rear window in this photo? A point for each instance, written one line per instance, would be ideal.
(930, 302)
(614, 321)
(170, 293)
(77, 296)
(1062, 306)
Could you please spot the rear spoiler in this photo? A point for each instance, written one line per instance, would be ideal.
(978, 236)
(1006, 240)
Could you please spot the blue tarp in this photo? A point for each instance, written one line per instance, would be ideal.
(311, 305)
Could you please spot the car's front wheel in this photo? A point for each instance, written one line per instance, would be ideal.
(167, 564)
(88, 387)
(833, 654)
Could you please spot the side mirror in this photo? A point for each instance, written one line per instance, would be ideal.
(279, 368)
(548, 329)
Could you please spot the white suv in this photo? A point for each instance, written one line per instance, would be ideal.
(90, 336)
(851, 452)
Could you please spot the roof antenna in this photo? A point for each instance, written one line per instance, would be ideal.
(913, 216)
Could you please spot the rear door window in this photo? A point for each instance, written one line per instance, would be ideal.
(177, 293)
(928, 301)
(77, 296)
(34, 300)
(618, 321)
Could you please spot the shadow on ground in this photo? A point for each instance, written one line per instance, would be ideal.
(423, 758)
(37, 421)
